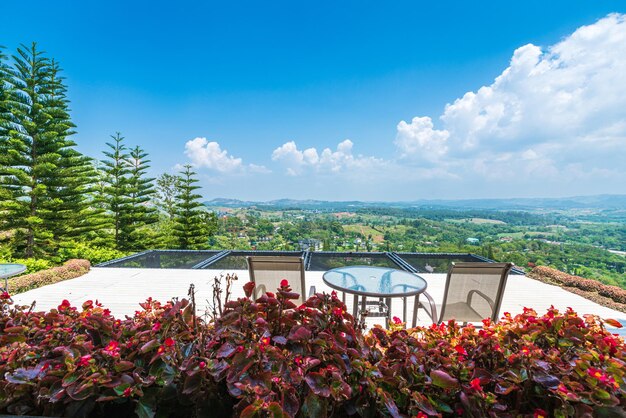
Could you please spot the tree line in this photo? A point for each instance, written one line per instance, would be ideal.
(52, 196)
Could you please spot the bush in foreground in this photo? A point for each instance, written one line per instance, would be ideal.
(270, 357)
(70, 270)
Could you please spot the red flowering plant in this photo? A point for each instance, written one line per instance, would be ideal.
(556, 365)
(273, 358)
(85, 362)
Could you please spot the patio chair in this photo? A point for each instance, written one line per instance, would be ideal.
(473, 292)
(268, 271)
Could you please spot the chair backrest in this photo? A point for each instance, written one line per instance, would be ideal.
(473, 282)
(268, 271)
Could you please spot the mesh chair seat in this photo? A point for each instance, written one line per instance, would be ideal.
(463, 311)
(268, 271)
(473, 292)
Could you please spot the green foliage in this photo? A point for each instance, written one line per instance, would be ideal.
(192, 224)
(166, 191)
(33, 265)
(94, 254)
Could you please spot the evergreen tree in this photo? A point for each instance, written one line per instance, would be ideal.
(46, 180)
(115, 192)
(190, 222)
(139, 213)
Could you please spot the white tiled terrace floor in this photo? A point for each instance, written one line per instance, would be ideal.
(121, 289)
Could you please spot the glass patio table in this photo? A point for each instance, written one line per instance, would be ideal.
(10, 270)
(379, 282)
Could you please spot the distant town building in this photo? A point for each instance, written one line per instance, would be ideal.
(310, 244)
(473, 241)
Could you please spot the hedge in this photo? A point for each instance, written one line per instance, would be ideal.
(615, 293)
(70, 270)
(271, 358)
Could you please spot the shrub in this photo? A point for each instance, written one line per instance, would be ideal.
(70, 270)
(616, 293)
(33, 265)
(95, 255)
(270, 358)
(556, 365)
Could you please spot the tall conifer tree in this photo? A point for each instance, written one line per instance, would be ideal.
(46, 178)
(116, 172)
(127, 195)
(141, 190)
(190, 222)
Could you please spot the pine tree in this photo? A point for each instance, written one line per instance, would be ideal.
(190, 222)
(116, 172)
(140, 213)
(127, 194)
(46, 179)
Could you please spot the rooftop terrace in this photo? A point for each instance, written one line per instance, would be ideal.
(163, 275)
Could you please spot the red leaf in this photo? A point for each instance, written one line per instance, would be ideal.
(613, 322)
(300, 333)
(248, 288)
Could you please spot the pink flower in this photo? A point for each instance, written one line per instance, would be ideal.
(112, 349)
(420, 414)
(106, 312)
(239, 348)
(459, 349)
(338, 311)
(284, 283)
(156, 326)
(169, 342)
(540, 413)
(202, 365)
(475, 385)
(396, 320)
(127, 392)
(65, 304)
(5, 295)
(84, 360)
(298, 360)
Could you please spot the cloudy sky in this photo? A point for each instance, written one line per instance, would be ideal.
(354, 101)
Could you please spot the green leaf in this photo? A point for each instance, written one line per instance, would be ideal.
(145, 408)
(314, 406)
(443, 380)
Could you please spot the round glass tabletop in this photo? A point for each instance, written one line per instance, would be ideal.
(8, 270)
(374, 281)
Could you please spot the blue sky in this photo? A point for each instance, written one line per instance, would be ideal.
(349, 100)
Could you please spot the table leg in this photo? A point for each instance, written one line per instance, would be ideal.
(343, 297)
(355, 307)
(404, 310)
(388, 303)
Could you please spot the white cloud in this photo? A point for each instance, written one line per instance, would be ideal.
(419, 139)
(203, 153)
(342, 160)
(558, 112)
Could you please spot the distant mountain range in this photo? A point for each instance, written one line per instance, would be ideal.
(605, 201)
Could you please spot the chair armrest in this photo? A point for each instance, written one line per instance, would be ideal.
(433, 307)
(470, 295)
